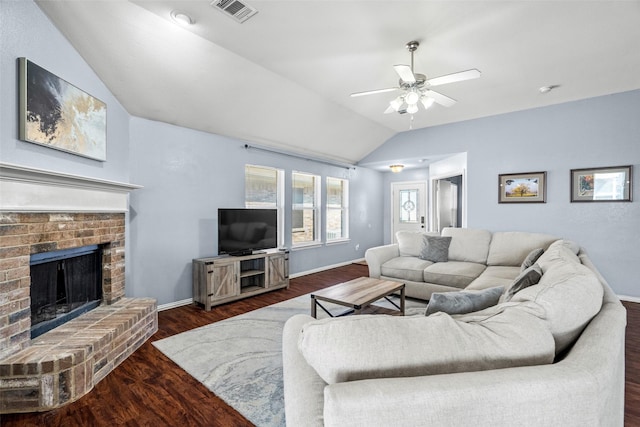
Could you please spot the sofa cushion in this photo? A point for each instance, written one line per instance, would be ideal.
(456, 274)
(531, 258)
(435, 248)
(464, 301)
(467, 244)
(570, 294)
(374, 346)
(528, 277)
(405, 268)
(512, 247)
(410, 243)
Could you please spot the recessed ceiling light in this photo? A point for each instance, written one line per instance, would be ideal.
(546, 89)
(182, 18)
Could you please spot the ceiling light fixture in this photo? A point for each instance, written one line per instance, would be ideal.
(396, 168)
(416, 88)
(182, 18)
(547, 89)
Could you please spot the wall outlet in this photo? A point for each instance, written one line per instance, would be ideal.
(357, 246)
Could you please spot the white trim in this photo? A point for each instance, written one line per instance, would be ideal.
(629, 299)
(175, 304)
(337, 241)
(26, 189)
(326, 267)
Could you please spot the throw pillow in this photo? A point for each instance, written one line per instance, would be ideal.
(435, 248)
(531, 259)
(531, 276)
(463, 302)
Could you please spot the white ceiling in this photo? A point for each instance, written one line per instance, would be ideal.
(283, 78)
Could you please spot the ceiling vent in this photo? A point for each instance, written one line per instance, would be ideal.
(236, 9)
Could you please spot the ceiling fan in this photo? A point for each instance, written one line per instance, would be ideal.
(415, 87)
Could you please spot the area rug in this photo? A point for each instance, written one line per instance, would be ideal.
(240, 358)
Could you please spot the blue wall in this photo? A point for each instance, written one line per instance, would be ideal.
(603, 131)
(25, 31)
(187, 175)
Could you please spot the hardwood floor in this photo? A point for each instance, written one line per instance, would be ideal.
(148, 389)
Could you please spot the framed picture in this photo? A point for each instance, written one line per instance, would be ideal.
(58, 115)
(610, 184)
(527, 187)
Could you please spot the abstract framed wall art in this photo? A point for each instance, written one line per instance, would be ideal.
(56, 114)
(607, 184)
(529, 187)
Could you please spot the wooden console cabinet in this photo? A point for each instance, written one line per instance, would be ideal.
(222, 279)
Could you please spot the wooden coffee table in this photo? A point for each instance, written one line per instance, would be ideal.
(358, 294)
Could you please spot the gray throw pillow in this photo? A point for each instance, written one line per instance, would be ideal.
(436, 248)
(531, 276)
(531, 259)
(463, 302)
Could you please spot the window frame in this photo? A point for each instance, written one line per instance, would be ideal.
(317, 210)
(344, 209)
(279, 205)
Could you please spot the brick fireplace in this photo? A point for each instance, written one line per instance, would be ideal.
(65, 363)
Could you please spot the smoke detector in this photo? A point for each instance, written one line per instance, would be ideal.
(237, 10)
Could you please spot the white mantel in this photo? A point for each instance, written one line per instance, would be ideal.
(25, 189)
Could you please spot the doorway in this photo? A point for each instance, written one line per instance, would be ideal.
(447, 202)
(408, 207)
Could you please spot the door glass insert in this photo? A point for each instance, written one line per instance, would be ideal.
(408, 206)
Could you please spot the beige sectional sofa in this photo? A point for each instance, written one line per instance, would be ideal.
(477, 259)
(551, 355)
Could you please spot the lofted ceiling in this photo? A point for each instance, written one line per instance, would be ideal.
(282, 78)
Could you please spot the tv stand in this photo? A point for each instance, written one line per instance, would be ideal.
(222, 279)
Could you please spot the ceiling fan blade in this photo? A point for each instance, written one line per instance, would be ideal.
(441, 99)
(455, 77)
(389, 110)
(405, 73)
(373, 92)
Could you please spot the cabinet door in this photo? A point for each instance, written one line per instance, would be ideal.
(223, 280)
(278, 270)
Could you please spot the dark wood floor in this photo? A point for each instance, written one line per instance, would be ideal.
(148, 389)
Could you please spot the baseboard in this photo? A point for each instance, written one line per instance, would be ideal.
(175, 304)
(630, 299)
(326, 267)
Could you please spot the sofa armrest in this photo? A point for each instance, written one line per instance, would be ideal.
(303, 388)
(377, 256)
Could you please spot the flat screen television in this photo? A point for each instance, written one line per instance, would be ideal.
(242, 231)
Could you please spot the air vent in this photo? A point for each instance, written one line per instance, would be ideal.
(236, 9)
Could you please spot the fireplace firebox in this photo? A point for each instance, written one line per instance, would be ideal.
(64, 285)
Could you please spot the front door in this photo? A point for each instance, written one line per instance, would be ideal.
(409, 206)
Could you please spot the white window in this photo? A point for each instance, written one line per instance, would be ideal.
(264, 188)
(337, 209)
(305, 213)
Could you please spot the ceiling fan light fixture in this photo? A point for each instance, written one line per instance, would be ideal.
(412, 98)
(397, 103)
(427, 102)
(396, 168)
(412, 108)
